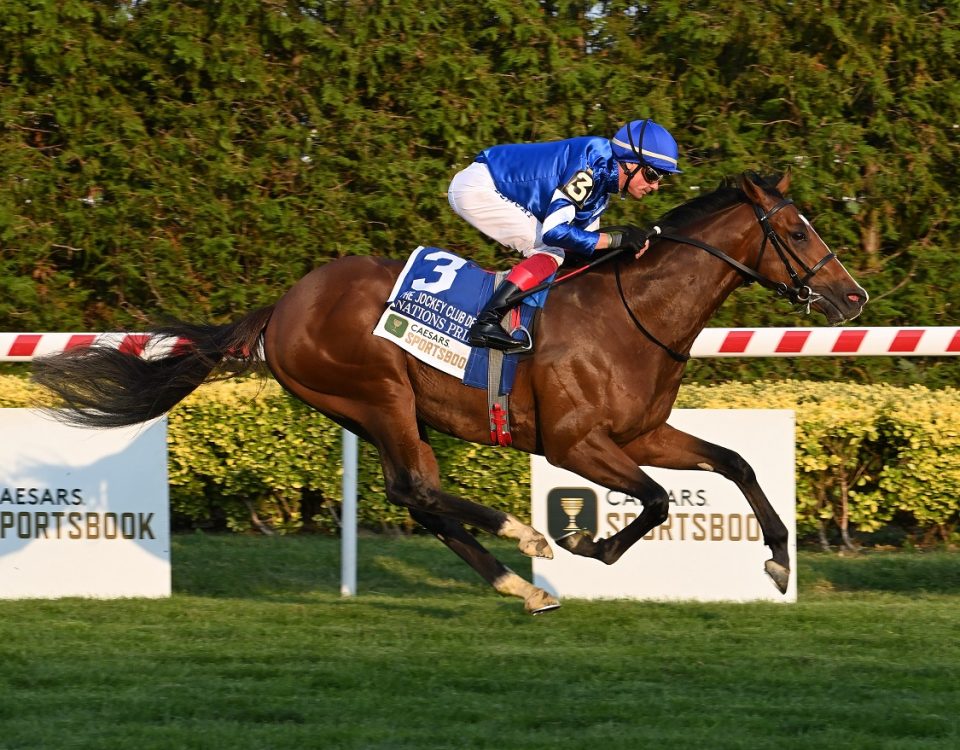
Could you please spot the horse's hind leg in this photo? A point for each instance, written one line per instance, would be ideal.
(413, 481)
(669, 448)
(455, 536)
(498, 575)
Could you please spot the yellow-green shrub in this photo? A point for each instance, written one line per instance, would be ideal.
(838, 443)
(244, 454)
(922, 476)
(18, 393)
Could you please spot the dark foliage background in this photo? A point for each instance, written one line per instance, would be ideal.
(195, 158)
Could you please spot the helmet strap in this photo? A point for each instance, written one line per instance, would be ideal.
(631, 173)
(638, 150)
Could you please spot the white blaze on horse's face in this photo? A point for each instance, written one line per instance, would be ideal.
(843, 305)
(866, 296)
(813, 232)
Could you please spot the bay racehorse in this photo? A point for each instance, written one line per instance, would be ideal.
(593, 397)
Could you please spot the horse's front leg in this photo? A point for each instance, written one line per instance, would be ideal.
(602, 461)
(669, 448)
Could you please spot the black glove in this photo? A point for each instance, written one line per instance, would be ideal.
(629, 238)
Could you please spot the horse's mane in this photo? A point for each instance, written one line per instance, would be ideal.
(726, 194)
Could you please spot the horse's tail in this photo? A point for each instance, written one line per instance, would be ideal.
(101, 386)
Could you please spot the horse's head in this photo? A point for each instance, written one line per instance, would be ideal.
(793, 256)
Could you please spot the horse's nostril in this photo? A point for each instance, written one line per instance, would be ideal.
(856, 298)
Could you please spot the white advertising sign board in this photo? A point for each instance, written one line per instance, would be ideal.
(710, 548)
(83, 512)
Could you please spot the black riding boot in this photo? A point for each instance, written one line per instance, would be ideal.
(486, 330)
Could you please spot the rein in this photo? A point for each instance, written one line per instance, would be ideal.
(798, 294)
(676, 356)
(615, 253)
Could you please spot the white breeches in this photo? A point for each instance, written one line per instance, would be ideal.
(475, 198)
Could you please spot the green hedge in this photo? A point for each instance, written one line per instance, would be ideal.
(195, 158)
(866, 455)
(245, 455)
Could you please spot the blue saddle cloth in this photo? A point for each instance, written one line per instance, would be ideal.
(478, 363)
(443, 292)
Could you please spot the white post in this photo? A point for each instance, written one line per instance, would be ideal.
(348, 517)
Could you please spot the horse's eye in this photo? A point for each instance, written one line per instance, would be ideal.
(799, 236)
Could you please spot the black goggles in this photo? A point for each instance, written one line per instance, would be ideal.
(651, 174)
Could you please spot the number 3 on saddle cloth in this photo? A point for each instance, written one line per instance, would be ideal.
(431, 308)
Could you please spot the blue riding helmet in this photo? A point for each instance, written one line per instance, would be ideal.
(646, 142)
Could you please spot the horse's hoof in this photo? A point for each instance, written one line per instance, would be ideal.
(539, 602)
(779, 574)
(579, 543)
(536, 546)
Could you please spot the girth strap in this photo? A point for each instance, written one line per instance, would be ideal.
(498, 413)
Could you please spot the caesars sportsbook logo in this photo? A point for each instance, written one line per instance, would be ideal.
(571, 509)
(395, 325)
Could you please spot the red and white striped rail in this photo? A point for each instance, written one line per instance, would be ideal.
(23, 347)
(937, 341)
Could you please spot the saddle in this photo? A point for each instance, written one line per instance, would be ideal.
(429, 312)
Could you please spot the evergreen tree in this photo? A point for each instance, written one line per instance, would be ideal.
(194, 158)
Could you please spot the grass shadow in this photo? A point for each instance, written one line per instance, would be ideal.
(256, 567)
(893, 572)
(302, 568)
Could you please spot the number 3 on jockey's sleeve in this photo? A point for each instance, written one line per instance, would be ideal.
(579, 187)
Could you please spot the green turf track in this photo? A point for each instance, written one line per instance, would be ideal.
(257, 650)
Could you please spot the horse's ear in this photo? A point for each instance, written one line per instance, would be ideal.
(750, 185)
(755, 187)
(784, 183)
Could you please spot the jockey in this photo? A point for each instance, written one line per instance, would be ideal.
(543, 199)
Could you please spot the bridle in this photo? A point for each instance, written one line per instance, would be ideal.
(799, 293)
